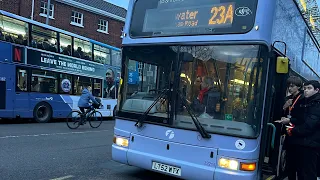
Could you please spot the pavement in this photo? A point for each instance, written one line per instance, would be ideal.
(54, 152)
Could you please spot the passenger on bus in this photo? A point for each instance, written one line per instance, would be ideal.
(19, 40)
(208, 100)
(293, 113)
(35, 86)
(67, 50)
(78, 53)
(2, 37)
(46, 44)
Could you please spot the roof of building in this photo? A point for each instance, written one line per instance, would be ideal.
(105, 6)
(99, 6)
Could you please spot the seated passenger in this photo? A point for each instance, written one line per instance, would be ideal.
(79, 53)
(2, 37)
(208, 100)
(67, 50)
(19, 40)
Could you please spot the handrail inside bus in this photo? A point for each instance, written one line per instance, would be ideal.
(274, 129)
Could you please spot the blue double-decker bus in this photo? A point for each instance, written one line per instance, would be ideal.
(212, 82)
(43, 70)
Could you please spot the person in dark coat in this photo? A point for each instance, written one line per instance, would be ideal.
(293, 112)
(306, 134)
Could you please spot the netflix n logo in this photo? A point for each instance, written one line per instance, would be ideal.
(18, 54)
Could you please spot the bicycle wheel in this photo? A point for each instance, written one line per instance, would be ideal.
(73, 119)
(95, 119)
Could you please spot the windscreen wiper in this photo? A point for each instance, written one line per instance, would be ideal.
(144, 116)
(198, 125)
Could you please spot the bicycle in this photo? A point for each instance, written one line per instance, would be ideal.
(94, 117)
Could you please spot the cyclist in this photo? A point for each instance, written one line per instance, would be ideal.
(84, 101)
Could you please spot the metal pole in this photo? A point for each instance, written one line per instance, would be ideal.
(48, 12)
(32, 9)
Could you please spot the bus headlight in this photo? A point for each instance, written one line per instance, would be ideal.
(120, 141)
(228, 164)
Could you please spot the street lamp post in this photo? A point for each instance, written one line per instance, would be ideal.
(48, 12)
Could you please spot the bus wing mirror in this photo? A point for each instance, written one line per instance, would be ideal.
(282, 65)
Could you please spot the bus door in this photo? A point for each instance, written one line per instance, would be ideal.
(6, 90)
(274, 156)
(21, 105)
(3, 87)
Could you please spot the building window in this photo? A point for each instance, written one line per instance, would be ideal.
(43, 10)
(103, 26)
(77, 19)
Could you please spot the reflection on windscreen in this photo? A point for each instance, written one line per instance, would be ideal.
(221, 84)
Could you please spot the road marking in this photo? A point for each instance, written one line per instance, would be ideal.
(64, 177)
(53, 134)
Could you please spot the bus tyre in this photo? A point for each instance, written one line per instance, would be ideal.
(42, 113)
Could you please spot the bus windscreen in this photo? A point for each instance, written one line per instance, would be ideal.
(152, 18)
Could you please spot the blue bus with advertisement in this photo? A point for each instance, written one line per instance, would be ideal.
(211, 85)
(43, 70)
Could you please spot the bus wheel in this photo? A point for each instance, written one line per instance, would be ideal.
(42, 113)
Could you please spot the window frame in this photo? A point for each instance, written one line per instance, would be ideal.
(44, 9)
(57, 80)
(74, 17)
(27, 79)
(103, 24)
(98, 48)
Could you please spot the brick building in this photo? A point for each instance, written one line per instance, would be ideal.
(95, 19)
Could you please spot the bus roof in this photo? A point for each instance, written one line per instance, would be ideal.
(55, 29)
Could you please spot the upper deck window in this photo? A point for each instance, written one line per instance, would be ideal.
(101, 54)
(13, 30)
(44, 38)
(82, 49)
(153, 18)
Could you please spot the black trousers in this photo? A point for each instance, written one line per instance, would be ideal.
(303, 162)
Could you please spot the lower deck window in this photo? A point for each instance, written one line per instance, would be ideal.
(44, 81)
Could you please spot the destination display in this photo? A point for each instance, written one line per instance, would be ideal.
(189, 17)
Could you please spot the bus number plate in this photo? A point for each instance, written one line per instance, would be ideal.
(166, 168)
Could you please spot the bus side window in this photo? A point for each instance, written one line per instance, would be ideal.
(82, 49)
(13, 30)
(65, 44)
(101, 54)
(22, 80)
(44, 38)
